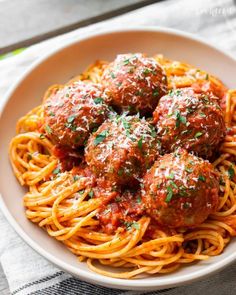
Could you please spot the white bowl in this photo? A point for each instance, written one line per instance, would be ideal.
(59, 67)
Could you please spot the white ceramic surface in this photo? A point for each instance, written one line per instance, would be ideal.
(60, 66)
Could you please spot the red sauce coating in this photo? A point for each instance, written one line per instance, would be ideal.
(122, 149)
(123, 211)
(73, 112)
(180, 190)
(134, 83)
(190, 120)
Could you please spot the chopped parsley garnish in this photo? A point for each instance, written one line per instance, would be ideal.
(198, 134)
(155, 92)
(100, 137)
(120, 172)
(126, 61)
(189, 170)
(91, 194)
(130, 224)
(41, 136)
(153, 131)
(71, 119)
(52, 114)
(139, 199)
(75, 178)
(71, 126)
(56, 171)
(169, 194)
(81, 192)
(140, 143)
(201, 178)
(207, 77)
(98, 100)
(202, 115)
(179, 119)
(112, 75)
(126, 125)
(146, 71)
(170, 176)
(173, 184)
(231, 172)
(48, 129)
(178, 92)
(171, 92)
(135, 225)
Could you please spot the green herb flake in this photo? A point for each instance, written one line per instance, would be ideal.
(56, 171)
(231, 172)
(81, 192)
(153, 131)
(173, 184)
(120, 172)
(112, 75)
(169, 194)
(126, 124)
(202, 115)
(126, 61)
(189, 170)
(140, 143)
(179, 119)
(52, 114)
(75, 178)
(198, 134)
(71, 119)
(48, 129)
(171, 92)
(136, 225)
(155, 92)
(139, 200)
(91, 194)
(170, 176)
(100, 137)
(146, 71)
(98, 100)
(201, 178)
(41, 136)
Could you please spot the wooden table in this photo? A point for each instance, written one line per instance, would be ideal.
(25, 22)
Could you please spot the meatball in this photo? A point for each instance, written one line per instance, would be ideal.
(180, 190)
(134, 83)
(190, 120)
(73, 112)
(122, 149)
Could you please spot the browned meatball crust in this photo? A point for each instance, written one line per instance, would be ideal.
(122, 149)
(190, 120)
(134, 83)
(180, 190)
(73, 112)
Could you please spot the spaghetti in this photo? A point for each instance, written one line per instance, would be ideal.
(62, 203)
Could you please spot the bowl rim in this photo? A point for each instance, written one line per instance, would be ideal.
(136, 284)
